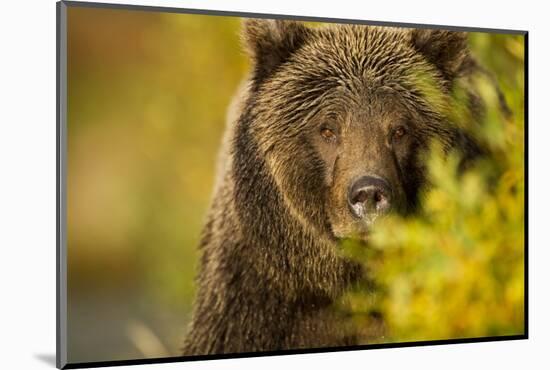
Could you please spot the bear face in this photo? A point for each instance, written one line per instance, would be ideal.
(343, 113)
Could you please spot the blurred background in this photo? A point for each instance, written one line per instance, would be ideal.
(147, 99)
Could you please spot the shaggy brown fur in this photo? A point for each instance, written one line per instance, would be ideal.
(271, 266)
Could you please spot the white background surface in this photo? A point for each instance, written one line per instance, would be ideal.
(27, 183)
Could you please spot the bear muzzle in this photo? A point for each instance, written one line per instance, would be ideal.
(369, 197)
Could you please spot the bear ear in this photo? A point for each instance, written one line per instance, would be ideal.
(447, 50)
(272, 42)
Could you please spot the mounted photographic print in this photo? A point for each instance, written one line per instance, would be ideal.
(234, 185)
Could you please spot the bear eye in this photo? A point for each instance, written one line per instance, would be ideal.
(328, 134)
(399, 132)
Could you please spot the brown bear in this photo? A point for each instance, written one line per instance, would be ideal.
(324, 137)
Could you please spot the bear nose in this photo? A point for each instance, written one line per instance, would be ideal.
(369, 195)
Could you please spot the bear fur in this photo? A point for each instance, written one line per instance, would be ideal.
(271, 268)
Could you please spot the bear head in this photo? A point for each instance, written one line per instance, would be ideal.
(343, 113)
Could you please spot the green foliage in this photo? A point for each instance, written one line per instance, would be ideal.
(456, 269)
